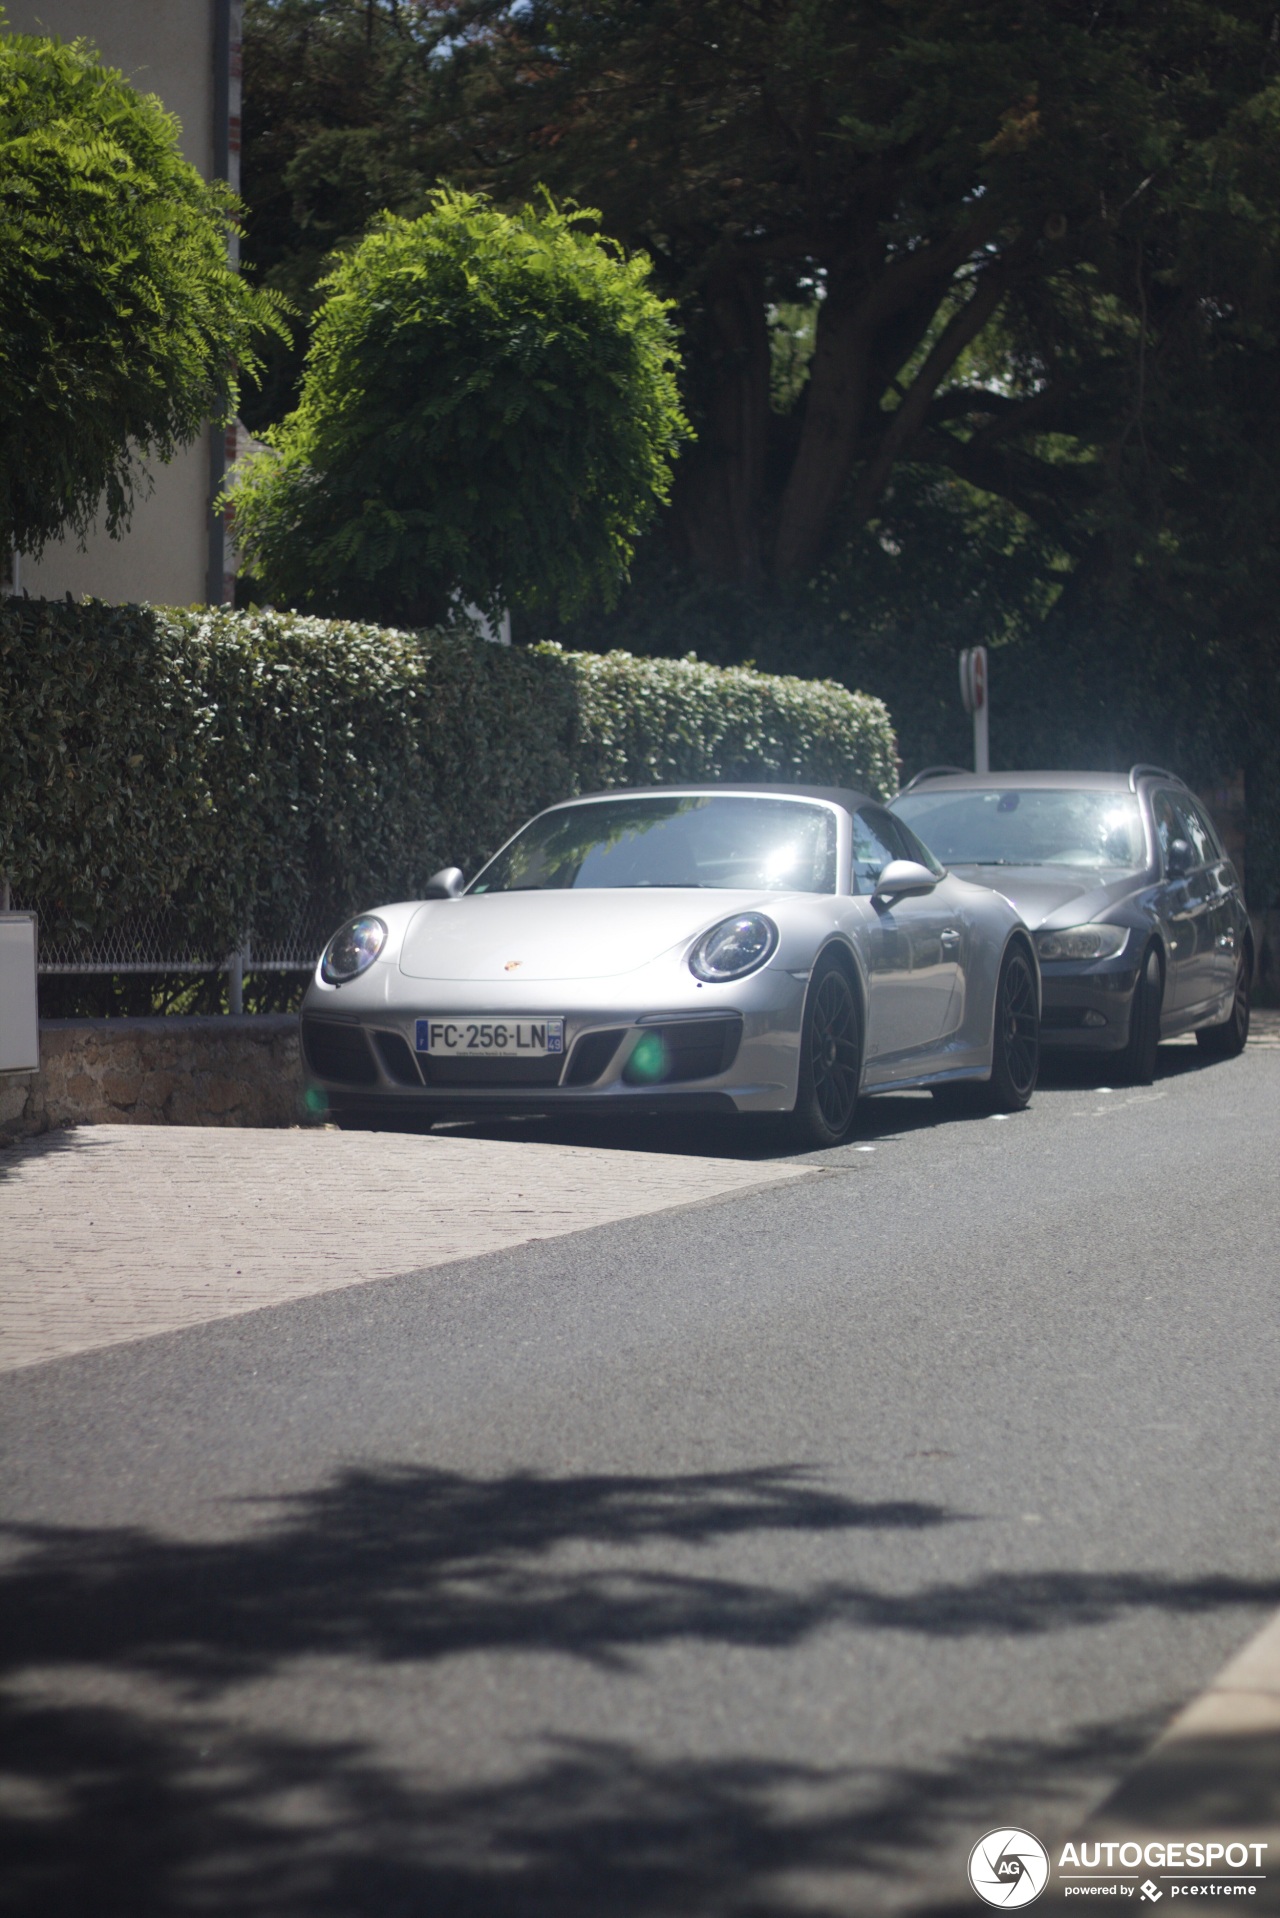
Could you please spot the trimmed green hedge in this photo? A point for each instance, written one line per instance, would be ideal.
(234, 765)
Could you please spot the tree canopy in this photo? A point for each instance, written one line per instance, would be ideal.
(488, 414)
(122, 326)
(988, 241)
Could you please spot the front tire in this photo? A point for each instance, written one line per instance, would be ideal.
(1015, 1042)
(830, 1059)
(1138, 1060)
(1229, 1040)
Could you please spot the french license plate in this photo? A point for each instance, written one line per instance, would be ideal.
(465, 1037)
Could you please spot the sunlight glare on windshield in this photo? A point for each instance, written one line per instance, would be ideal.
(1028, 826)
(672, 840)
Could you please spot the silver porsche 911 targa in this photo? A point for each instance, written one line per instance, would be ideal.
(712, 949)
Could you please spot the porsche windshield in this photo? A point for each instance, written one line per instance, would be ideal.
(1028, 826)
(765, 844)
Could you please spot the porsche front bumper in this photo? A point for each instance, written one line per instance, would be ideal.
(729, 1057)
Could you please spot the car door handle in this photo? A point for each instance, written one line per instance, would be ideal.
(951, 938)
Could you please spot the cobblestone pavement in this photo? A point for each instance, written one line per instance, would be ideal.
(1264, 1027)
(1264, 1030)
(112, 1233)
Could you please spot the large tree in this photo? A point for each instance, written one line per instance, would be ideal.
(987, 242)
(122, 327)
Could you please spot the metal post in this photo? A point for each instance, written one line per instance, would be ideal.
(237, 963)
(974, 693)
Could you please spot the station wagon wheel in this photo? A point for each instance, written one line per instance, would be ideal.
(1015, 1045)
(1228, 1040)
(830, 1058)
(1137, 1061)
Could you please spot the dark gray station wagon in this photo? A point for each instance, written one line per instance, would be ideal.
(1138, 915)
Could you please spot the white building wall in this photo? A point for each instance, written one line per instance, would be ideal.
(164, 47)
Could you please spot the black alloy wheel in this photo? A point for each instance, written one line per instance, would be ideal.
(1015, 1044)
(1229, 1039)
(1138, 1059)
(830, 1059)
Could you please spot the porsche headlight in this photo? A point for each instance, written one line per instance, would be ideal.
(351, 951)
(734, 947)
(1083, 942)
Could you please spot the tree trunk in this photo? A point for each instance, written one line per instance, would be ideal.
(906, 423)
(718, 499)
(844, 380)
(834, 406)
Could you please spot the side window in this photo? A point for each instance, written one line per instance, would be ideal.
(1208, 829)
(872, 832)
(1166, 823)
(1192, 828)
(913, 847)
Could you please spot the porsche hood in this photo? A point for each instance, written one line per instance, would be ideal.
(591, 934)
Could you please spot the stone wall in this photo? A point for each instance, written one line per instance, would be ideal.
(219, 1071)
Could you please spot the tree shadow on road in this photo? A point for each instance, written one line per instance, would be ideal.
(176, 1801)
(132, 1817)
(407, 1563)
(395, 1563)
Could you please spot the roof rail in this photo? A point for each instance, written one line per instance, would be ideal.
(1158, 772)
(933, 772)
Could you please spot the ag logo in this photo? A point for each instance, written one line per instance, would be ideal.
(1008, 1868)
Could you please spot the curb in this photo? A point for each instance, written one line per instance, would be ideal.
(1214, 1775)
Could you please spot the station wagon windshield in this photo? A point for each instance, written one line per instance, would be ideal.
(1007, 826)
(691, 840)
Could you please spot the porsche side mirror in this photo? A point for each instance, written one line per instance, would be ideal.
(903, 877)
(1179, 859)
(445, 884)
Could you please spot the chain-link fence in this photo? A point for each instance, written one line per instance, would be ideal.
(160, 942)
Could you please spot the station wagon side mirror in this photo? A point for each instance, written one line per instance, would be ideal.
(445, 884)
(1179, 859)
(902, 878)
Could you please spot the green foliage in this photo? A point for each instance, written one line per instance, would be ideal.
(236, 765)
(489, 412)
(121, 323)
(655, 722)
(1017, 233)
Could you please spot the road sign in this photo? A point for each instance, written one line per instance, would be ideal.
(973, 691)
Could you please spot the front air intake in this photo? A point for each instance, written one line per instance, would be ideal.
(338, 1053)
(591, 1055)
(397, 1061)
(683, 1050)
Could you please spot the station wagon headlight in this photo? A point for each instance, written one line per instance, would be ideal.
(1083, 942)
(734, 947)
(354, 949)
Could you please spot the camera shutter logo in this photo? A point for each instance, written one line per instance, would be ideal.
(1008, 1868)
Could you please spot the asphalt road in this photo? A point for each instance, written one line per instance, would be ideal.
(746, 1560)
